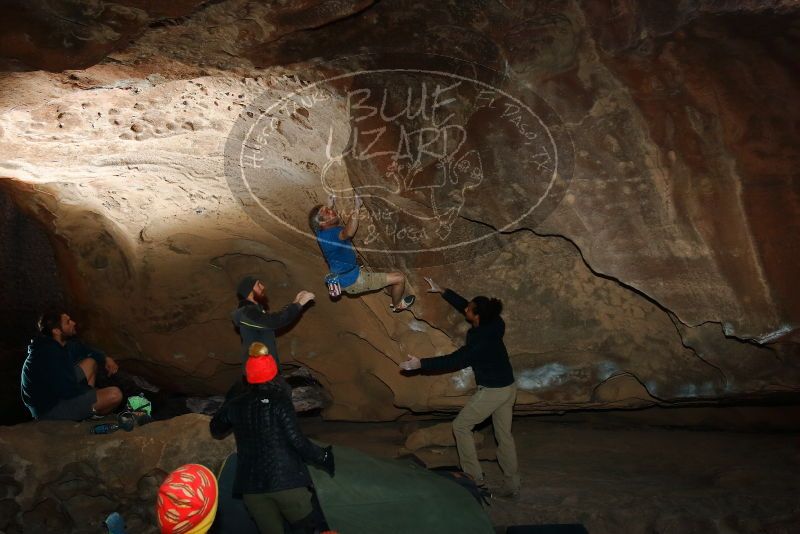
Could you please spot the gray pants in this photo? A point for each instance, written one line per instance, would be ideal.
(74, 409)
(77, 408)
(499, 403)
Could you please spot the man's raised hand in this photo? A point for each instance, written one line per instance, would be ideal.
(411, 364)
(304, 297)
(434, 287)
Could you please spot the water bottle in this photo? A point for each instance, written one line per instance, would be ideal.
(125, 421)
(104, 428)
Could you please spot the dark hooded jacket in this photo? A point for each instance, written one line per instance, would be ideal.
(255, 323)
(272, 450)
(48, 374)
(484, 351)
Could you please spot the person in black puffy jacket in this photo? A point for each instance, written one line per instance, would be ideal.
(271, 472)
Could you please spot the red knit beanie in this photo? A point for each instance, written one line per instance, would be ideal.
(260, 369)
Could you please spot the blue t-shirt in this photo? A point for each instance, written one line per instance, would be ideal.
(340, 255)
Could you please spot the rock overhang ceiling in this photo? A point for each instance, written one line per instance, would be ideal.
(660, 271)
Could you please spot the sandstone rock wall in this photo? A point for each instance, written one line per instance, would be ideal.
(660, 270)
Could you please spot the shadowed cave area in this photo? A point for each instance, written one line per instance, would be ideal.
(31, 284)
(621, 174)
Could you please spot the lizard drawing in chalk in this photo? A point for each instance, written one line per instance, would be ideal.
(443, 182)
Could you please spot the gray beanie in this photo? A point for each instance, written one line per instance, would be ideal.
(245, 287)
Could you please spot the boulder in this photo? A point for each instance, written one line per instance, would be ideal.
(57, 477)
(621, 175)
(440, 435)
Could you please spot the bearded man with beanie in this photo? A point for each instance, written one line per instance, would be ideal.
(253, 320)
(271, 473)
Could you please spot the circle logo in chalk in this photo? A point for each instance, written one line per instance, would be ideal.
(446, 156)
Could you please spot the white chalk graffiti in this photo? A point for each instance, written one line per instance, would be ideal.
(431, 152)
(606, 369)
(463, 379)
(431, 159)
(546, 376)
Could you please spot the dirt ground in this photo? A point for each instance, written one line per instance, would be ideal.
(704, 471)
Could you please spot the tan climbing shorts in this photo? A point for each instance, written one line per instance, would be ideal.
(366, 282)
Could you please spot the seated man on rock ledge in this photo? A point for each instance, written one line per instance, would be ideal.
(58, 376)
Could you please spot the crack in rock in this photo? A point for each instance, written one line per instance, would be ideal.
(371, 344)
(673, 315)
(696, 353)
(240, 255)
(636, 378)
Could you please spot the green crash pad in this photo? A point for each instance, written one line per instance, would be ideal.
(232, 515)
(375, 495)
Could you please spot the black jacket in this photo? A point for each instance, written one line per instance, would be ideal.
(272, 450)
(484, 351)
(257, 324)
(48, 374)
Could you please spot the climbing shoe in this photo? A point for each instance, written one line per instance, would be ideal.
(405, 304)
